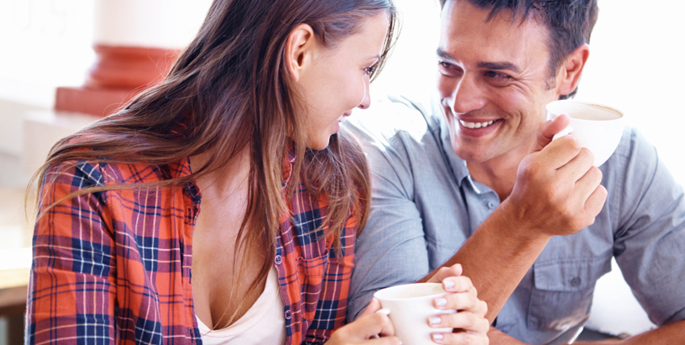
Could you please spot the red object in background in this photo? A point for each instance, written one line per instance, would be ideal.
(118, 75)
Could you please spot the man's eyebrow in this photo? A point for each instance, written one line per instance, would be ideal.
(499, 66)
(484, 65)
(444, 55)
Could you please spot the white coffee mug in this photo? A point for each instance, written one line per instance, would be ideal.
(410, 307)
(596, 127)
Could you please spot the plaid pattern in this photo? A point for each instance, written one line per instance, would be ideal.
(114, 267)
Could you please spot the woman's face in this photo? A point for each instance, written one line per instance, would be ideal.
(337, 79)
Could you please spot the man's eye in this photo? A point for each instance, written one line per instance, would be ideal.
(496, 75)
(445, 65)
(448, 69)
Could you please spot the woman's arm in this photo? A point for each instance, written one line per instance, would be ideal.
(72, 285)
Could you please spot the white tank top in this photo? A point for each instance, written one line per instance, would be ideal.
(264, 322)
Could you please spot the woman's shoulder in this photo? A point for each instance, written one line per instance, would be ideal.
(92, 172)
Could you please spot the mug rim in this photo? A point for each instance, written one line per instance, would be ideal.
(599, 105)
(380, 294)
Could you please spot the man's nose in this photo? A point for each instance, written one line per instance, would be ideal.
(468, 96)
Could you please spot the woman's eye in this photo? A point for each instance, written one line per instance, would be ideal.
(370, 69)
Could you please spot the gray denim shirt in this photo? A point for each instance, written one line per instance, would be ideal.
(425, 205)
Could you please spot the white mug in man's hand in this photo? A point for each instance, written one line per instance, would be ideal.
(596, 127)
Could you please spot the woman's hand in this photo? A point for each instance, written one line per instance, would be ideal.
(371, 328)
(469, 322)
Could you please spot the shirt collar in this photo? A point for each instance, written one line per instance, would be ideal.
(458, 165)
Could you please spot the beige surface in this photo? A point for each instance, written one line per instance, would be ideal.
(15, 239)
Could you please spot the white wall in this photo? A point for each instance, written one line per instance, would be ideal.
(48, 43)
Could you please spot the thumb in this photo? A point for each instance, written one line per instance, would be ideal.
(373, 307)
(547, 130)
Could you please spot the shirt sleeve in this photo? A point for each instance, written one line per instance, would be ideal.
(332, 304)
(72, 283)
(650, 240)
(394, 232)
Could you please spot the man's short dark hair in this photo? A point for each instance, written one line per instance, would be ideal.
(569, 22)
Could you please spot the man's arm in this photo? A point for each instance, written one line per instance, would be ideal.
(557, 192)
(672, 334)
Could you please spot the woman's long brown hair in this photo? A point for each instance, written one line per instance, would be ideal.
(230, 89)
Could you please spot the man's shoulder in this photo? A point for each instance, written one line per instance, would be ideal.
(392, 115)
(634, 151)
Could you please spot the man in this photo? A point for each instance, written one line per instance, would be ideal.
(480, 156)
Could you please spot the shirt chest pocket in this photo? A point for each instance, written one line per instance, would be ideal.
(562, 292)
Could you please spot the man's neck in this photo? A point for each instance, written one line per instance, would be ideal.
(498, 173)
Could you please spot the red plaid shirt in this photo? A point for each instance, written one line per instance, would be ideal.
(114, 267)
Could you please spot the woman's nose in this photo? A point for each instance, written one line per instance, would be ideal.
(366, 100)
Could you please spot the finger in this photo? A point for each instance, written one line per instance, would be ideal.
(460, 338)
(547, 130)
(463, 302)
(374, 306)
(457, 284)
(372, 321)
(456, 301)
(577, 167)
(444, 272)
(465, 320)
(560, 152)
(393, 340)
(368, 327)
(587, 184)
(596, 201)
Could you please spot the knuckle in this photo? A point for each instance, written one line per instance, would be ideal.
(586, 154)
(573, 143)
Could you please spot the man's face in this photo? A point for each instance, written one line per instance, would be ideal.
(494, 82)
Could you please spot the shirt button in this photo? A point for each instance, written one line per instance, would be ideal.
(491, 205)
(278, 260)
(288, 314)
(575, 281)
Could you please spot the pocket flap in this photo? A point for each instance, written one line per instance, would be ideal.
(571, 275)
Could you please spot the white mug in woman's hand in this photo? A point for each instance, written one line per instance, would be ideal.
(410, 307)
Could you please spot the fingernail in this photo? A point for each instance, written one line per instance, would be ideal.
(440, 301)
(437, 336)
(434, 320)
(448, 284)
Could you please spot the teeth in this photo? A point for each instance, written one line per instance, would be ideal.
(476, 124)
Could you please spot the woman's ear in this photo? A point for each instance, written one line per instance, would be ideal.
(298, 50)
(572, 68)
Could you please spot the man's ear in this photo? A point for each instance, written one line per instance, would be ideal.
(298, 50)
(572, 68)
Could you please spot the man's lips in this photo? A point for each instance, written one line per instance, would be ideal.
(475, 124)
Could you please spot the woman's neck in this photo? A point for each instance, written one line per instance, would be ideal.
(225, 181)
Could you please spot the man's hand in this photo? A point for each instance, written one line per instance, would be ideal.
(557, 190)
(469, 321)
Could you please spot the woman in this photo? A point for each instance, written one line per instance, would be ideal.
(220, 206)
